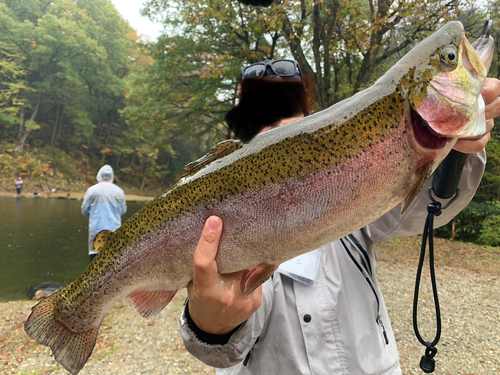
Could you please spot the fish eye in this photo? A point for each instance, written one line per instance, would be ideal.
(449, 55)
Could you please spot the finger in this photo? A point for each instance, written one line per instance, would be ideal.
(489, 126)
(491, 90)
(492, 109)
(472, 146)
(256, 296)
(204, 266)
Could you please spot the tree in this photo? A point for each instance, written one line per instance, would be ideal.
(12, 82)
(74, 55)
(342, 44)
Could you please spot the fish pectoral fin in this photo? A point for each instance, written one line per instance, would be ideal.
(254, 277)
(220, 150)
(423, 176)
(151, 302)
(101, 239)
(71, 349)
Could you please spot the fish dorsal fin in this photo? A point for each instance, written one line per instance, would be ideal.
(422, 179)
(151, 302)
(101, 239)
(218, 151)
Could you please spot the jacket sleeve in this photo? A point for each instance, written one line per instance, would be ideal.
(86, 204)
(393, 224)
(229, 350)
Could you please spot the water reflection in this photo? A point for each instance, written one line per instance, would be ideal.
(42, 240)
(18, 206)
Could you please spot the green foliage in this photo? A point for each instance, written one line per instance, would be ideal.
(63, 164)
(29, 163)
(47, 165)
(490, 231)
(62, 82)
(489, 189)
(72, 55)
(472, 224)
(78, 88)
(9, 120)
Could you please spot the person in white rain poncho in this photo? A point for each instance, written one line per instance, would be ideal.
(103, 204)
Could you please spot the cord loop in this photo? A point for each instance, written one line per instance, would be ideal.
(430, 351)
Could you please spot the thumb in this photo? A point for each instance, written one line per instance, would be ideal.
(205, 272)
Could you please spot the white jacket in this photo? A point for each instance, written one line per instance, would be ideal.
(330, 328)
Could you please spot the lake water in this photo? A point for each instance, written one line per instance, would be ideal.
(42, 240)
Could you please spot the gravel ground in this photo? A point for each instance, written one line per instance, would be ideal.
(470, 312)
(128, 344)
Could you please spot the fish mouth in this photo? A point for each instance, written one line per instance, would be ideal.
(452, 106)
(423, 133)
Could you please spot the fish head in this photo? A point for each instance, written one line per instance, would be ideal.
(448, 104)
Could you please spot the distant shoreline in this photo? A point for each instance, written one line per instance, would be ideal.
(74, 195)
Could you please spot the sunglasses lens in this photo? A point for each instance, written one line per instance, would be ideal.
(254, 71)
(284, 68)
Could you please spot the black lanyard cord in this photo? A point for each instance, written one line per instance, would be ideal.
(427, 363)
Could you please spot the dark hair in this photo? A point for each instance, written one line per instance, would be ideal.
(265, 101)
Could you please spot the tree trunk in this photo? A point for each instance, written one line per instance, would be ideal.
(167, 163)
(321, 38)
(21, 124)
(55, 127)
(24, 132)
(110, 125)
(144, 177)
(117, 167)
(59, 126)
(20, 141)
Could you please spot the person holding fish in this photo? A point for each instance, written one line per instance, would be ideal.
(103, 204)
(293, 194)
(322, 312)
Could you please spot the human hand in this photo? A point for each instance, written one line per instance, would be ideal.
(490, 93)
(216, 302)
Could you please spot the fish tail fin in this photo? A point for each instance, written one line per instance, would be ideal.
(71, 349)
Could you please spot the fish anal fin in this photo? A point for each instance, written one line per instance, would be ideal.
(256, 276)
(218, 151)
(101, 239)
(423, 175)
(71, 349)
(150, 302)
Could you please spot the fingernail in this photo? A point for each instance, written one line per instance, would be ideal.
(213, 224)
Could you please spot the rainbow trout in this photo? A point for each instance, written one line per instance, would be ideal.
(288, 191)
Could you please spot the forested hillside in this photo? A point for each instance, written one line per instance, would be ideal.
(79, 88)
(64, 76)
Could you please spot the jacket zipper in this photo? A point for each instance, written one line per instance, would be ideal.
(367, 274)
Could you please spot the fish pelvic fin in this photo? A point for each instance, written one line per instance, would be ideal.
(150, 302)
(71, 349)
(423, 175)
(101, 239)
(256, 276)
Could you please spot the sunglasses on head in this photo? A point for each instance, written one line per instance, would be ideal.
(272, 68)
